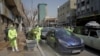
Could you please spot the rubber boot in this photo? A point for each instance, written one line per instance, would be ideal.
(17, 49)
(13, 49)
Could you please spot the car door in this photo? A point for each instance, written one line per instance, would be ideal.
(93, 39)
(96, 41)
(51, 38)
(87, 39)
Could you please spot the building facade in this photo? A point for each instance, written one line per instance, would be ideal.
(88, 9)
(42, 12)
(10, 13)
(66, 12)
(50, 21)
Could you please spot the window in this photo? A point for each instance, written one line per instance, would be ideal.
(63, 8)
(78, 13)
(85, 31)
(78, 5)
(91, 9)
(83, 3)
(93, 34)
(87, 10)
(87, 2)
(98, 32)
(75, 4)
(62, 14)
(83, 11)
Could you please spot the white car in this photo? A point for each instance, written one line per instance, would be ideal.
(91, 38)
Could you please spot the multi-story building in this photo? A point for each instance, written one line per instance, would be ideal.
(42, 12)
(10, 12)
(66, 12)
(50, 21)
(87, 10)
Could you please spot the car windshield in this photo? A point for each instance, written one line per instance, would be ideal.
(63, 33)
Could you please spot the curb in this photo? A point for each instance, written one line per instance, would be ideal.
(40, 49)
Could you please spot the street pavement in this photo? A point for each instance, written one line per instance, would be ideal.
(6, 52)
(51, 52)
(47, 50)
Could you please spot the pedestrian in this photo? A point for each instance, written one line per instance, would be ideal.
(12, 34)
(37, 32)
(69, 28)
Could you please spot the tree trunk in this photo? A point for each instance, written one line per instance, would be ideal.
(20, 26)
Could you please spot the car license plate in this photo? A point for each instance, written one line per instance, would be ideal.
(75, 51)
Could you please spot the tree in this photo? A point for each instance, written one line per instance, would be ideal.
(31, 14)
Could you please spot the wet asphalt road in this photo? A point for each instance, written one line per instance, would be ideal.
(48, 51)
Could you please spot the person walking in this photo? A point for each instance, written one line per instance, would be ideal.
(37, 32)
(69, 28)
(12, 34)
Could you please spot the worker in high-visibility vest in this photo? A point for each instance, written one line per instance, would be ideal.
(69, 28)
(37, 32)
(12, 34)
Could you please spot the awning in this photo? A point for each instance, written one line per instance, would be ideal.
(83, 20)
(93, 15)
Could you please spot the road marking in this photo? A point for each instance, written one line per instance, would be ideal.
(40, 49)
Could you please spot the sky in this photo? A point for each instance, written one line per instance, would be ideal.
(52, 5)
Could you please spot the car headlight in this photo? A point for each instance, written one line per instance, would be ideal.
(64, 43)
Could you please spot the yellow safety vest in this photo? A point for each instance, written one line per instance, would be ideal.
(12, 33)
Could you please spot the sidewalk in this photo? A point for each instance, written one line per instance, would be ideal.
(21, 40)
(6, 52)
